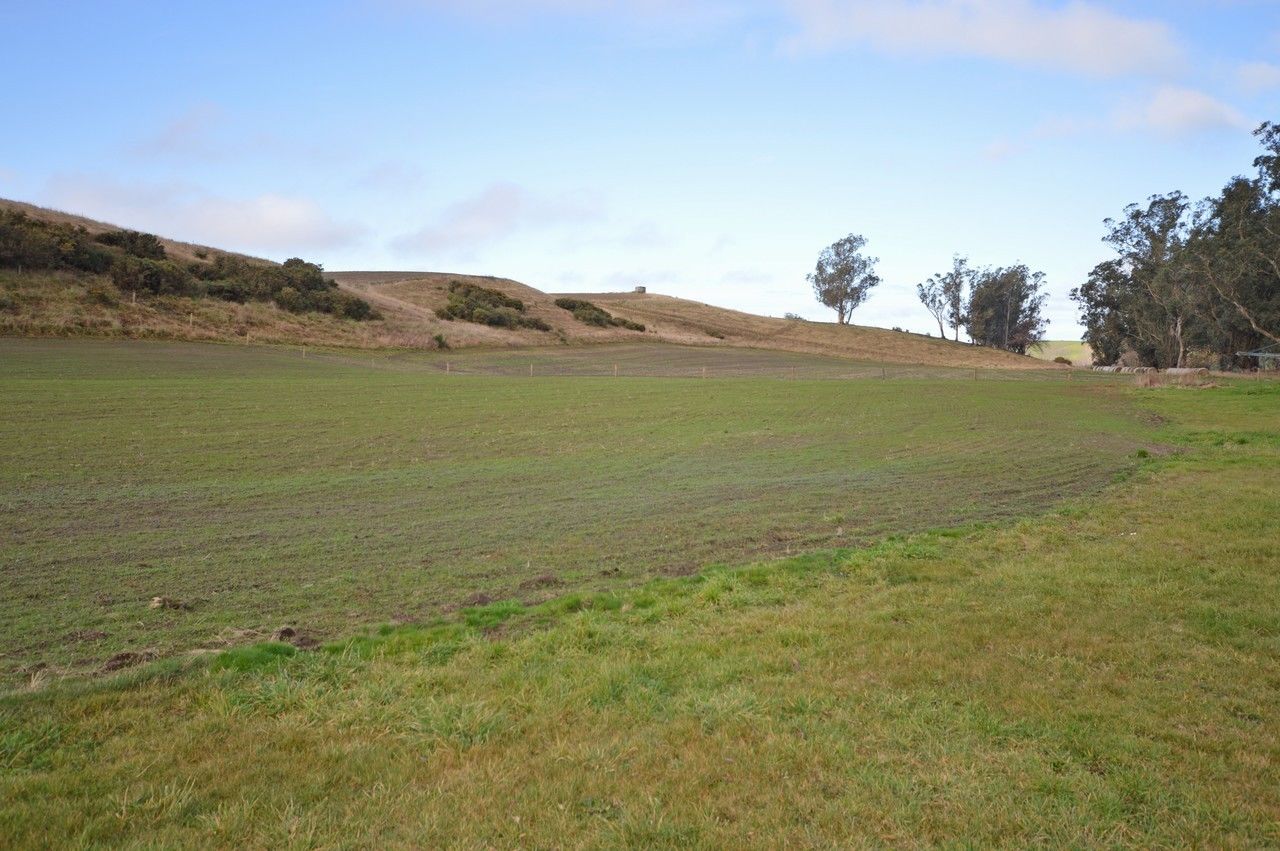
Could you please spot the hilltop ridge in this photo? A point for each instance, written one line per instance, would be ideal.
(68, 303)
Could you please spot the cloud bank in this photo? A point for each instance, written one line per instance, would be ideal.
(497, 212)
(1076, 37)
(270, 222)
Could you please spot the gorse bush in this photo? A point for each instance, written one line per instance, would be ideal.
(145, 245)
(27, 243)
(471, 303)
(590, 314)
(137, 263)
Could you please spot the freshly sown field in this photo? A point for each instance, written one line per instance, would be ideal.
(256, 487)
(1107, 674)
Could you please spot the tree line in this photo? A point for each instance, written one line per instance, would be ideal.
(999, 307)
(137, 262)
(1190, 279)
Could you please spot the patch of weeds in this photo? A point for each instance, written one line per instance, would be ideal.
(29, 748)
(606, 603)
(254, 657)
(634, 686)
(461, 725)
(492, 615)
(567, 604)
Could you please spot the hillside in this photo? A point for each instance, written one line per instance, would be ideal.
(666, 318)
(1076, 351)
(79, 303)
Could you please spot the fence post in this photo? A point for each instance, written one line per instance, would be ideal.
(615, 370)
(531, 369)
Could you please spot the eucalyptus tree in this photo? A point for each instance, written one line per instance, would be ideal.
(1004, 309)
(844, 276)
(944, 295)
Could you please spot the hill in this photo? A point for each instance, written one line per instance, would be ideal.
(1076, 351)
(74, 302)
(666, 318)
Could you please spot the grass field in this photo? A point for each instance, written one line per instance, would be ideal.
(262, 488)
(1079, 353)
(1107, 673)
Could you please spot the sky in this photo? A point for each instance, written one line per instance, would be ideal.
(706, 149)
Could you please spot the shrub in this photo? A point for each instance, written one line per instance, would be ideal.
(290, 299)
(159, 277)
(34, 244)
(136, 262)
(440, 341)
(484, 306)
(590, 314)
(1061, 359)
(144, 245)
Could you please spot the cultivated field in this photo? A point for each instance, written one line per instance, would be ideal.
(260, 487)
(1106, 673)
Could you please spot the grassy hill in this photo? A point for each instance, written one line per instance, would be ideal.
(64, 303)
(666, 319)
(1076, 351)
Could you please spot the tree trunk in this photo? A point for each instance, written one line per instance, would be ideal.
(942, 331)
(1182, 349)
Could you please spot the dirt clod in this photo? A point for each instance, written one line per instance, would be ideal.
(86, 635)
(169, 603)
(478, 599)
(127, 659)
(546, 580)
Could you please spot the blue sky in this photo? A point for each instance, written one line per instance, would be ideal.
(706, 149)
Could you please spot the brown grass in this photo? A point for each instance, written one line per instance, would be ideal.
(60, 305)
(666, 319)
(183, 251)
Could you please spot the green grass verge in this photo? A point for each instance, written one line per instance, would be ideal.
(258, 487)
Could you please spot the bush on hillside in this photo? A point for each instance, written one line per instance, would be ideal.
(27, 243)
(145, 245)
(1062, 360)
(590, 314)
(137, 263)
(158, 277)
(471, 303)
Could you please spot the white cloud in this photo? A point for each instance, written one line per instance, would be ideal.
(1259, 76)
(495, 213)
(264, 223)
(189, 135)
(1078, 36)
(1176, 111)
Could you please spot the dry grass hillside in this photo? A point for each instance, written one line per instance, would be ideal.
(665, 318)
(183, 251)
(80, 304)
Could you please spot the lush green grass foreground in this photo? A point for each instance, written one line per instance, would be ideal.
(1105, 674)
(256, 487)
